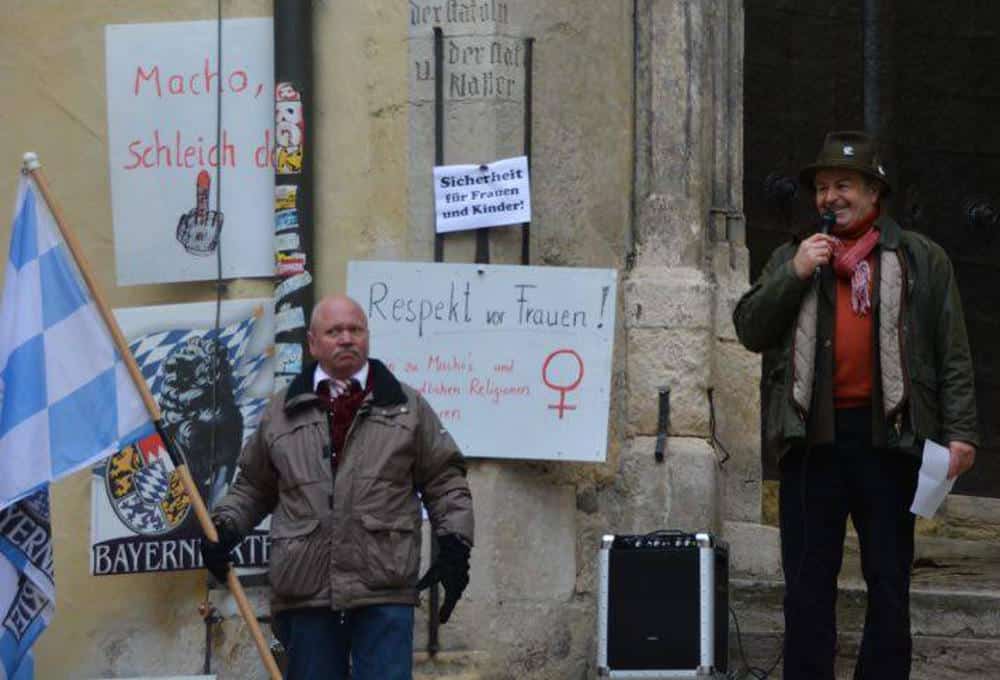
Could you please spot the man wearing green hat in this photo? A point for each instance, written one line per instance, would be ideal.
(865, 355)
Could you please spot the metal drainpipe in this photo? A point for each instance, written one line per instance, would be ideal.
(294, 151)
(879, 84)
(878, 38)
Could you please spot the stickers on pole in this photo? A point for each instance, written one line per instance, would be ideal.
(477, 196)
(289, 129)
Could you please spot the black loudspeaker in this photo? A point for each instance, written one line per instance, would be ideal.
(663, 606)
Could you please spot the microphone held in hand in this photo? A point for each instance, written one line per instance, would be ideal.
(828, 219)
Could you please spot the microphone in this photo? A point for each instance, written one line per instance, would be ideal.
(828, 219)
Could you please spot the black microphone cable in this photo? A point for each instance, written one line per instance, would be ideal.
(827, 220)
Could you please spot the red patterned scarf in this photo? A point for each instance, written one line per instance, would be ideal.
(342, 399)
(851, 262)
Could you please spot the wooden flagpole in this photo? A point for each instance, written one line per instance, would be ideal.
(33, 168)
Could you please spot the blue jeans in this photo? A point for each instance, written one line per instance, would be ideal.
(375, 642)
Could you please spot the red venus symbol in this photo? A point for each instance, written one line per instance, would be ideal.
(562, 389)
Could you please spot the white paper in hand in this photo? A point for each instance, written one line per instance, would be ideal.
(932, 480)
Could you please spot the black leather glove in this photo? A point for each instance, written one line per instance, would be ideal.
(451, 570)
(216, 555)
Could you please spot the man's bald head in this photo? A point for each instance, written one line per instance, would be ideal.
(335, 302)
(338, 336)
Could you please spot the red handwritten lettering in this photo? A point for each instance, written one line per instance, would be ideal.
(141, 76)
(209, 74)
(507, 367)
(241, 81)
(446, 364)
(263, 155)
(198, 83)
(175, 84)
(440, 389)
(179, 153)
(496, 392)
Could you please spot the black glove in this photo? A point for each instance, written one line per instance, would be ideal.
(451, 569)
(216, 555)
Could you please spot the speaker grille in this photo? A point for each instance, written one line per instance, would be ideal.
(653, 609)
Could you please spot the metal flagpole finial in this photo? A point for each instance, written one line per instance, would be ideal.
(30, 162)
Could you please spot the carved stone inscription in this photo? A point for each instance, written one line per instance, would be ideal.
(431, 13)
(483, 92)
(481, 61)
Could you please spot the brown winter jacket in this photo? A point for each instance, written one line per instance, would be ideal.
(923, 382)
(353, 540)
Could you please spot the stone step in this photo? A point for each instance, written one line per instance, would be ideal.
(954, 604)
(948, 563)
(934, 611)
(967, 517)
(934, 658)
(953, 564)
(450, 665)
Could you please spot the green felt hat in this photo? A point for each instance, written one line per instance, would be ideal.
(848, 151)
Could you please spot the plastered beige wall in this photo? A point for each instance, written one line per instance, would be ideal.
(361, 125)
(52, 74)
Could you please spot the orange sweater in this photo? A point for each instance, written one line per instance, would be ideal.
(853, 363)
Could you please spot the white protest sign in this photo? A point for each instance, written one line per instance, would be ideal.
(474, 196)
(163, 80)
(515, 360)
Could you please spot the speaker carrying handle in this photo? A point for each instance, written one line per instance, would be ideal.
(667, 532)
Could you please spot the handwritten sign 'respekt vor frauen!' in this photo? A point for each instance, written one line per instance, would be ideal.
(475, 196)
(163, 82)
(515, 360)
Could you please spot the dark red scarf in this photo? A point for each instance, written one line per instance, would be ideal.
(342, 399)
(851, 261)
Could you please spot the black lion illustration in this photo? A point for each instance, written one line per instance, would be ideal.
(200, 413)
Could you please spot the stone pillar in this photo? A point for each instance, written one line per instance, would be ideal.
(690, 264)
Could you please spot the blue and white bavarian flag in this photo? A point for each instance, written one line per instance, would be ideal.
(27, 591)
(66, 398)
(66, 401)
